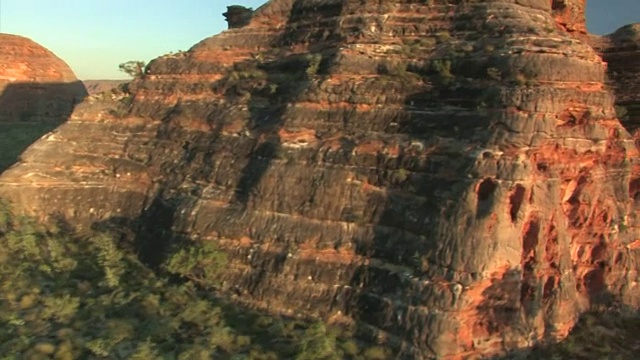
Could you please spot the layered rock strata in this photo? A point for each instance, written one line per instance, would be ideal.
(449, 175)
(35, 85)
(621, 50)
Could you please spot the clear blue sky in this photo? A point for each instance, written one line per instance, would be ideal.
(94, 36)
(606, 16)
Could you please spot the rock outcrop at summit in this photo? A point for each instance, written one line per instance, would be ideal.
(450, 175)
(35, 85)
(570, 15)
(238, 16)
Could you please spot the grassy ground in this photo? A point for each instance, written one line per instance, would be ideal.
(16, 137)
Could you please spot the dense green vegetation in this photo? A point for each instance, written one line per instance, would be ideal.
(16, 137)
(88, 296)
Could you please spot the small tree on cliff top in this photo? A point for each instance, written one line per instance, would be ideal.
(133, 68)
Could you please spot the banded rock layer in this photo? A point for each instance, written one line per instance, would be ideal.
(35, 85)
(450, 175)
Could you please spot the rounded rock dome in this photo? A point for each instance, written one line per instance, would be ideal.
(35, 84)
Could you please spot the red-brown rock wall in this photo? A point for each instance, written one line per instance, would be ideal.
(450, 175)
(570, 15)
(35, 85)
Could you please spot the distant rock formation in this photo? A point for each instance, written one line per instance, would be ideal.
(95, 87)
(449, 175)
(35, 85)
(621, 50)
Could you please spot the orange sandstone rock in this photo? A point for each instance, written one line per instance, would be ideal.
(449, 175)
(35, 85)
(570, 15)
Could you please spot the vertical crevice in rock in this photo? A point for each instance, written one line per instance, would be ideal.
(515, 201)
(485, 193)
(634, 189)
(530, 262)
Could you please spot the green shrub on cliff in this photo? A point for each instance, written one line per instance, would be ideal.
(442, 69)
(199, 263)
(318, 343)
(134, 68)
(313, 64)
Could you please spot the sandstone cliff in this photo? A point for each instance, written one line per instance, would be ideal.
(450, 175)
(37, 92)
(35, 85)
(570, 15)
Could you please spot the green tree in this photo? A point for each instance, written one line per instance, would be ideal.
(133, 68)
(319, 343)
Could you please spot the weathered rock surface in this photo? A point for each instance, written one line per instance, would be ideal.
(451, 175)
(35, 85)
(621, 50)
(570, 15)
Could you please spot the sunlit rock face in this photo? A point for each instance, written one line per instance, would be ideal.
(449, 175)
(35, 85)
(570, 15)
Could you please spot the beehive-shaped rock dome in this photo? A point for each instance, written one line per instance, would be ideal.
(35, 84)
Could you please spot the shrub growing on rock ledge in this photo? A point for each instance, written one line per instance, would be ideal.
(134, 68)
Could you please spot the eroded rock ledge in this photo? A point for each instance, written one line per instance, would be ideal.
(450, 175)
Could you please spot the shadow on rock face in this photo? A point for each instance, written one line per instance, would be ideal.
(244, 84)
(607, 332)
(622, 54)
(29, 110)
(40, 102)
